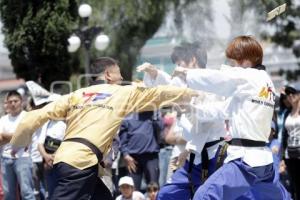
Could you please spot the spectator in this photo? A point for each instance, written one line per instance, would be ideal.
(283, 110)
(292, 154)
(139, 134)
(6, 110)
(52, 134)
(16, 164)
(37, 160)
(126, 187)
(40, 98)
(152, 190)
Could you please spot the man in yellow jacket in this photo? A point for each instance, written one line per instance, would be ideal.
(93, 116)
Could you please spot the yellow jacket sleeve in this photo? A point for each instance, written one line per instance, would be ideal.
(147, 99)
(34, 119)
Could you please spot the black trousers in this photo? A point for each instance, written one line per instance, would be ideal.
(147, 165)
(75, 184)
(293, 166)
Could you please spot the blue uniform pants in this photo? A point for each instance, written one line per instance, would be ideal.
(237, 180)
(179, 185)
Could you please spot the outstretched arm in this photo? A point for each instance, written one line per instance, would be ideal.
(153, 76)
(148, 99)
(33, 120)
(222, 82)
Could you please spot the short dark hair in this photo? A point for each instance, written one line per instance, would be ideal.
(152, 186)
(101, 64)
(200, 53)
(14, 93)
(187, 51)
(290, 90)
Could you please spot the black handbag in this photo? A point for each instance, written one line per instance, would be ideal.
(51, 144)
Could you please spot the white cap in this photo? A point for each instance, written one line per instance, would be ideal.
(126, 180)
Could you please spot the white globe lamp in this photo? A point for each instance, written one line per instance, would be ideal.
(101, 42)
(74, 43)
(85, 10)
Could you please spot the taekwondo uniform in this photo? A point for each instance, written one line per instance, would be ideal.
(203, 140)
(93, 116)
(248, 171)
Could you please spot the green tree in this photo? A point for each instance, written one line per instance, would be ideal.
(36, 35)
(287, 30)
(129, 25)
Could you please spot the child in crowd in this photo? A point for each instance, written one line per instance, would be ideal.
(152, 190)
(126, 186)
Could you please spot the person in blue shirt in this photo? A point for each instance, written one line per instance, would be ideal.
(139, 145)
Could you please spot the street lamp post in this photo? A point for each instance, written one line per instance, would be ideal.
(85, 35)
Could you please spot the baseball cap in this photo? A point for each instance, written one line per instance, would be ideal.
(126, 180)
(290, 89)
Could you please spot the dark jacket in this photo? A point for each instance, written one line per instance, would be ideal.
(140, 133)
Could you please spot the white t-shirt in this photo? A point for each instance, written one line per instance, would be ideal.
(35, 154)
(136, 195)
(54, 129)
(292, 125)
(8, 125)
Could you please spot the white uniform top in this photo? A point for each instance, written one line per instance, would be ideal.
(195, 132)
(250, 105)
(177, 149)
(54, 129)
(8, 125)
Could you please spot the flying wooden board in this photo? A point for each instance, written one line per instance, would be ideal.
(276, 11)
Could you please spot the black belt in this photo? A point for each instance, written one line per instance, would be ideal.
(204, 163)
(205, 158)
(191, 162)
(87, 143)
(247, 143)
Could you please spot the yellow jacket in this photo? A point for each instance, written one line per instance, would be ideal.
(95, 113)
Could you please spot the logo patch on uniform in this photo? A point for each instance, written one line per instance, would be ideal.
(266, 93)
(94, 96)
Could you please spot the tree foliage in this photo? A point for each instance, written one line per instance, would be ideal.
(36, 35)
(129, 25)
(287, 30)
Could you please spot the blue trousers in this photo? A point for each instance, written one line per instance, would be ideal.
(179, 185)
(17, 171)
(237, 180)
